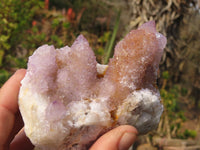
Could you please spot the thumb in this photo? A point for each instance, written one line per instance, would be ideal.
(120, 138)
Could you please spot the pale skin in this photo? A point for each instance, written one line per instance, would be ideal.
(12, 136)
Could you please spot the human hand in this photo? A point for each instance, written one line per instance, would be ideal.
(12, 135)
(120, 138)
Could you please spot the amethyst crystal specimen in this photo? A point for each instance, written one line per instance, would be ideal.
(67, 100)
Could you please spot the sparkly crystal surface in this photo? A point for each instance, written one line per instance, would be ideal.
(67, 100)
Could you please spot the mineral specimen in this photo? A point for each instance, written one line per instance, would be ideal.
(67, 100)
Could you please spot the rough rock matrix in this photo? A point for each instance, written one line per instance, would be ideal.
(67, 100)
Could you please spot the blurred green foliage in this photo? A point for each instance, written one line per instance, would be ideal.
(171, 100)
(52, 28)
(165, 75)
(103, 42)
(15, 19)
(187, 134)
(93, 13)
(190, 133)
(4, 75)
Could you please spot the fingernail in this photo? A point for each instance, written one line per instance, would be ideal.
(126, 140)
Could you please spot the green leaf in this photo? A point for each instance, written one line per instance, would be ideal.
(55, 23)
(165, 75)
(66, 25)
(20, 62)
(112, 40)
(4, 38)
(5, 21)
(190, 133)
(1, 57)
(4, 75)
(100, 51)
(6, 46)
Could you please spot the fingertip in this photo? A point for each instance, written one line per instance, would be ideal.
(126, 140)
(121, 137)
(9, 106)
(20, 73)
(128, 128)
(9, 91)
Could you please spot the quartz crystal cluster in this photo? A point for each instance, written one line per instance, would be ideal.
(67, 100)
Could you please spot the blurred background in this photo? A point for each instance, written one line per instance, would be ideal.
(27, 24)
